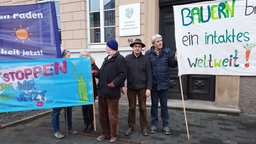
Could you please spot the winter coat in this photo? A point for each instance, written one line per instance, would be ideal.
(138, 72)
(95, 87)
(112, 70)
(160, 65)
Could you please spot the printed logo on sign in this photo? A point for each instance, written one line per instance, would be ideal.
(129, 12)
(22, 33)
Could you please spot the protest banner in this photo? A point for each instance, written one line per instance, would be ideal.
(216, 37)
(29, 32)
(45, 83)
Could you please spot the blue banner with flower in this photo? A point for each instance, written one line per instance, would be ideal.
(29, 32)
(45, 83)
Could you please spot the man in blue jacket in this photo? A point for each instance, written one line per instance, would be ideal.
(161, 59)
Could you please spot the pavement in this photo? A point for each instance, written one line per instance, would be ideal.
(204, 128)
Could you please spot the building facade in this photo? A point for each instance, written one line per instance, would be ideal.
(88, 24)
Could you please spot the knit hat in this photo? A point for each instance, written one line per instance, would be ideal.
(112, 44)
(137, 41)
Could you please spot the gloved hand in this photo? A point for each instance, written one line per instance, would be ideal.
(94, 72)
(111, 85)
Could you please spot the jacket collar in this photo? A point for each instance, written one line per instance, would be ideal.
(135, 56)
(162, 51)
(115, 55)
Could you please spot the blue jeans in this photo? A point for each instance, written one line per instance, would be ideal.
(163, 96)
(56, 121)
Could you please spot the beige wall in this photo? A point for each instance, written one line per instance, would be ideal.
(74, 21)
(149, 22)
(16, 2)
(247, 96)
(227, 91)
(73, 24)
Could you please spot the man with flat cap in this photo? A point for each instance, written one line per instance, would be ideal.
(139, 81)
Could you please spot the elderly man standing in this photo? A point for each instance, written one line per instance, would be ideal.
(112, 75)
(161, 58)
(139, 81)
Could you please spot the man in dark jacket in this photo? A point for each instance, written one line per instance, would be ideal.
(112, 75)
(139, 83)
(161, 58)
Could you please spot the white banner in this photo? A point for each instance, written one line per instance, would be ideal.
(216, 38)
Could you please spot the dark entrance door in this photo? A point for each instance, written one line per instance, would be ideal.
(199, 87)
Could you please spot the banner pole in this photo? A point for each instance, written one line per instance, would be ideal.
(94, 116)
(93, 106)
(184, 109)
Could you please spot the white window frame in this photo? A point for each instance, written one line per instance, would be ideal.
(102, 30)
